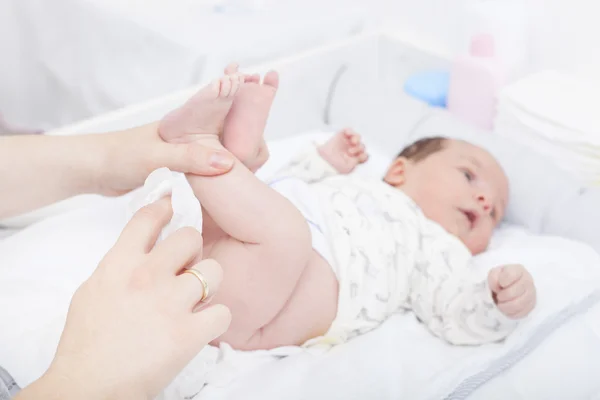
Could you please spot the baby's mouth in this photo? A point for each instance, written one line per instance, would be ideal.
(471, 216)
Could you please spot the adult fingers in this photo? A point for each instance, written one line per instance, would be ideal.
(142, 230)
(197, 159)
(179, 250)
(190, 286)
(207, 325)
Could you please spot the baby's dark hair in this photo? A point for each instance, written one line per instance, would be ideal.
(423, 148)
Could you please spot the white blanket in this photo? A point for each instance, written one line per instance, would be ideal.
(41, 267)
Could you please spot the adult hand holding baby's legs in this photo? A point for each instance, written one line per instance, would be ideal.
(130, 156)
(131, 326)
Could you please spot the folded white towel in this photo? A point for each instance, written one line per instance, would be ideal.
(566, 102)
(555, 114)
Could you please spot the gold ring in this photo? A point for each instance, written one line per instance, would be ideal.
(200, 277)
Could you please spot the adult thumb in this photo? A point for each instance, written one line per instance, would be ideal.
(197, 159)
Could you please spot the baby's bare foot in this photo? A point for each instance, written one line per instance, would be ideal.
(344, 151)
(245, 124)
(203, 114)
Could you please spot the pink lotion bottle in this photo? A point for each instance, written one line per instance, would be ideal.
(474, 83)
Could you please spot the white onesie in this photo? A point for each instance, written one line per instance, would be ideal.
(388, 257)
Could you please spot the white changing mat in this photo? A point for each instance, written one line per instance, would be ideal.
(42, 266)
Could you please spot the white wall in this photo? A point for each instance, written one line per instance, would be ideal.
(537, 34)
(566, 34)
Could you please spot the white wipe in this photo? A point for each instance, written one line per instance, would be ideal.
(186, 207)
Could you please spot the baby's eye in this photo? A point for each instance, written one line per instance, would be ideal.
(468, 175)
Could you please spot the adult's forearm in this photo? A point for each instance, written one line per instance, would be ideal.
(37, 170)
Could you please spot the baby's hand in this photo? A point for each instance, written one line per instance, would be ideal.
(513, 290)
(344, 151)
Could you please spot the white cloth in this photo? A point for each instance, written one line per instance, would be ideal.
(389, 257)
(186, 207)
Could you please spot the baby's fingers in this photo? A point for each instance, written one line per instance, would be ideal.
(357, 150)
(519, 307)
(526, 308)
(493, 278)
(348, 133)
(512, 292)
(352, 137)
(510, 274)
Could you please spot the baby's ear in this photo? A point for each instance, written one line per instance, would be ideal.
(396, 173)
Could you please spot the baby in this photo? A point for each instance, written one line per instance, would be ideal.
(318, 257)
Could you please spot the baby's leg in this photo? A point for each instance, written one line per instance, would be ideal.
(243, 132)
(242, 129)
(268, 244)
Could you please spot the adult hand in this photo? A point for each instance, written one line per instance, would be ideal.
(131, 155)
(137, 321)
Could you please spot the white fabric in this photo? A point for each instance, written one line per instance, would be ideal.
(185, 205)
(41, 266)
(110, 53)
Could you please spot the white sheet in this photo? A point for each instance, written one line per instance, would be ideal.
(41, 266)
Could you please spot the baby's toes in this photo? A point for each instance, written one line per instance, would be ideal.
(236, 82)
(254, 78)
(232, 68)
(225, 86)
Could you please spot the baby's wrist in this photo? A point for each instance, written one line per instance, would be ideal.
(326, 156)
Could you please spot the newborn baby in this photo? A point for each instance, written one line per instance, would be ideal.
(318, 256)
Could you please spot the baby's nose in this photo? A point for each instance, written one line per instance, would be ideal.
(484, 202)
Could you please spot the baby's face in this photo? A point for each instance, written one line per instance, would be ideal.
(462, 188)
